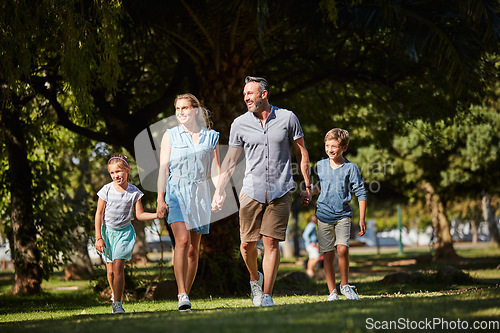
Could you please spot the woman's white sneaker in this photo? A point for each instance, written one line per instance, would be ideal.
(267, 300)
(184, 304)
(348, 292)
(333, 296)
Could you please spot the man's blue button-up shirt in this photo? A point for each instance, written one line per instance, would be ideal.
(267, 151)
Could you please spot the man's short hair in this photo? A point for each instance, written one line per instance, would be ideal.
(263, 84)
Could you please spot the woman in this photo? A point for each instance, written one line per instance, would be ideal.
(188, 153)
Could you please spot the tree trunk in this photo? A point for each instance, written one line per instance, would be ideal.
(26, 255)
(489, 216)
(475, 219)
(444, 249)
(80, 267)
(296, 208)
(222, 270)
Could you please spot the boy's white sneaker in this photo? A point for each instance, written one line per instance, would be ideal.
(333, 296)
(184, 304)
(256, 290)
(118, 308)
(348, 292)
(267, 300)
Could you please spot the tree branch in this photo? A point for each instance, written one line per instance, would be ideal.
(39, 85)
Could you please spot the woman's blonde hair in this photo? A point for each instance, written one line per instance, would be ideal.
(338, 134)
(203, 117)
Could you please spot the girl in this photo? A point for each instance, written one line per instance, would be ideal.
(187, 155)
(115, 238)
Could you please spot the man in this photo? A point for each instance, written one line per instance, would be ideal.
(266, 134)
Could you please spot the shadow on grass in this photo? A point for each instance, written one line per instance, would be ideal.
(47, 302)
(339, 316)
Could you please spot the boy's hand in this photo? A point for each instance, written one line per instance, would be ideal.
(362, 228)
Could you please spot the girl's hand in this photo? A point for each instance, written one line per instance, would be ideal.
(99, 245)
(162, 209)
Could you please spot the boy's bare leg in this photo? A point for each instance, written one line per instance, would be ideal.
(329, 268)
(343, 253)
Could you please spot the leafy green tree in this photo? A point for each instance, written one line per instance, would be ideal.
(31, 32)
(120, 67)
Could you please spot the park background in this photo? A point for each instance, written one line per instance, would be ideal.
(414, 82)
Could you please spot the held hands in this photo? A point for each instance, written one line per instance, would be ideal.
(161, 209)
(218, 200)
(305, 197)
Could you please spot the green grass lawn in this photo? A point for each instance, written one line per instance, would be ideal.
(72, 306)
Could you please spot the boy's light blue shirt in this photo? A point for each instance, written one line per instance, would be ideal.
(267, 152)
(337, 186)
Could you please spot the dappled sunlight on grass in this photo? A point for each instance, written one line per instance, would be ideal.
(300, 302)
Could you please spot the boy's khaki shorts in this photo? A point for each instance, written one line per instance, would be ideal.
(264, 219)
(332, 234)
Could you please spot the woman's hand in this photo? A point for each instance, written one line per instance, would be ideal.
(218, 200)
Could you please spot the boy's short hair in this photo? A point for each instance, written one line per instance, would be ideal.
(338, 134)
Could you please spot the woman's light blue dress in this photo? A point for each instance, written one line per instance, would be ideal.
(187, 191)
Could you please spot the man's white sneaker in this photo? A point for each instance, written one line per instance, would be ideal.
(348, 292)
(184, 304)
(333, 296)
(267, 300)
(118, 308)
(256, 290)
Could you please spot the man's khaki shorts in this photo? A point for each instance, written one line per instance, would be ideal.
(332, 234)
(264, 219)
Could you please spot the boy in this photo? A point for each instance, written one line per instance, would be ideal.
(338, 179)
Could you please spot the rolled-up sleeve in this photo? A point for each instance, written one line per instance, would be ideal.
(294, 128)
(234, 136)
